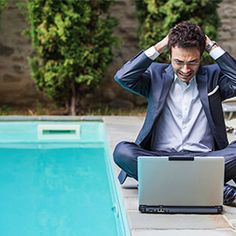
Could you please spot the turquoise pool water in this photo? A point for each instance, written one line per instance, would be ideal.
(55, 187)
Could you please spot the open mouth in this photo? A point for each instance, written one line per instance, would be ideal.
(185, 75)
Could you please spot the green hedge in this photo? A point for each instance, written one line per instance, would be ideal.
(72, 43)
(2, 4)
(158, 16)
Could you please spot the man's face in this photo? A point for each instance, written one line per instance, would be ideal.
(185, 62)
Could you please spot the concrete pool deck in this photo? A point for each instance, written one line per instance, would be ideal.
(126, 128)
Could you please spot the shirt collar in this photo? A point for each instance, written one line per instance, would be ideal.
(177, 80)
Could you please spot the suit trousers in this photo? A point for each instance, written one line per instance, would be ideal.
(126, 154)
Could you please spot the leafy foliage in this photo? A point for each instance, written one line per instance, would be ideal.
(73, 44)
(158, 16)
(2, 4)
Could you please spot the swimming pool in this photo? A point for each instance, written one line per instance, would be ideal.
(56, 179)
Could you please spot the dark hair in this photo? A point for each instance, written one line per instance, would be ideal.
(187, 35)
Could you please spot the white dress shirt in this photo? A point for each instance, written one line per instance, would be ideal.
(183, 125)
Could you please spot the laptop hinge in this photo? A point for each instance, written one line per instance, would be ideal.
(180, 158)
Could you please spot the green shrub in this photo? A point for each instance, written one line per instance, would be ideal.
(158, 16)
(72, 43)
(2, 4)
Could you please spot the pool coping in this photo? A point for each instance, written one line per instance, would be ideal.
(51, 118)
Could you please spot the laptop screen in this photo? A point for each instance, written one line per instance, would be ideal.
(180, 181)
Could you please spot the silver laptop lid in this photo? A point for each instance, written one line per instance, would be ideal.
(170, 181)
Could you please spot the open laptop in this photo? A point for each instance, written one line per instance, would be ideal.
(180, 184)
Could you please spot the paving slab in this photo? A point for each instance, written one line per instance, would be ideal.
(183, 232)
(131, 203)
(178, 221)
(231, 123)
(126, 128)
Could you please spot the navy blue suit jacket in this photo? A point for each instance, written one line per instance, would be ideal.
(215, 82)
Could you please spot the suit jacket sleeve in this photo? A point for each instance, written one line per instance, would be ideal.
(134, 76)
(227, 78)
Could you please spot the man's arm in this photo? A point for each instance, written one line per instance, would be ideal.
(213, 48)
(162, 45)
(134, 75)
(227, 64)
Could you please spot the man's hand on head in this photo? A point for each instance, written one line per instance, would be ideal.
(210, 44)
(207, 40)
(162, 45)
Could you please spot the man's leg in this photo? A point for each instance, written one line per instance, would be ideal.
(125, 156)
(126, 153)
(229, 154)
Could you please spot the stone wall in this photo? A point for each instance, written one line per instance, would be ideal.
(16, 85)
(227, 31)
(110, 92)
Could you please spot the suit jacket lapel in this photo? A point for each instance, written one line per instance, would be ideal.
(168, 78)
(162, 88)
(201, 79)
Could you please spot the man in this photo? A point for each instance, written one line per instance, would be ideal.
(184, 112)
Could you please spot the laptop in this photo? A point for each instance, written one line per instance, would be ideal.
(174, 185)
